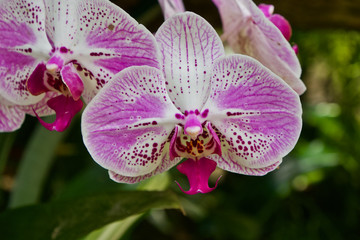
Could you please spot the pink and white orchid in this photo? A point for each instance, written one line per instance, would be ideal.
(55, 52)
(257, 32)
(215, 110)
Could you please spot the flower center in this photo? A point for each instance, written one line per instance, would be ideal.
(58, 76)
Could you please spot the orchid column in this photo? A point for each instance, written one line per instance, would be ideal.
(56, 53)
(215, 110)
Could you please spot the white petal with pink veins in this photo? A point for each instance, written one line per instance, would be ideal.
(188, 47)
(11, 117)
(127, 127)
(23, 44)
(103, 39)
(41, 107)
(255, 114)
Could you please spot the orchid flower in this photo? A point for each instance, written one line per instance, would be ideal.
(257, 32)
(171, 7)
(220, 111)
(58, 52)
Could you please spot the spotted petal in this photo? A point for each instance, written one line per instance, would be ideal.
(249, 32)
(23, 44)
(171, 7)
(103, 39)
(11, 117)
(127, 127)
(41, 108)
(255, 114)
(189, 46)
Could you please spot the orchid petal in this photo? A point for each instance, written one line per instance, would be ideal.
(255, 114)
(41, 108)
(65, 108)
(72, 80)
(164, 165)
(102, 38)
(249, 32)
(189, 46)
(11, 117)
(198, 172)
(231, 166)
(127, 127)
(171, 7)
(23, 44)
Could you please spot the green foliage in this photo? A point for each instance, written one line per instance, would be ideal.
(29, 185)
(74, 218)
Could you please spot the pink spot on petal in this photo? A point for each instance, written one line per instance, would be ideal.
(198, 172)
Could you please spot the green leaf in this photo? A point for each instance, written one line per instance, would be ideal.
(76, 218)
(34, 166)
(117, 230)
(6, 141)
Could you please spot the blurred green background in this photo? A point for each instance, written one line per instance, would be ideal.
(315, 194)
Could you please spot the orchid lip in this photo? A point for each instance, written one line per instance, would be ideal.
(65, 108)
(198, 172)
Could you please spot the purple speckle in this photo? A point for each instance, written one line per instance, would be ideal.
(179, 116)
(63, 50)
(205, 113)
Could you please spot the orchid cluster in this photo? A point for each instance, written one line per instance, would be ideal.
(53, 53)
(155, 101)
